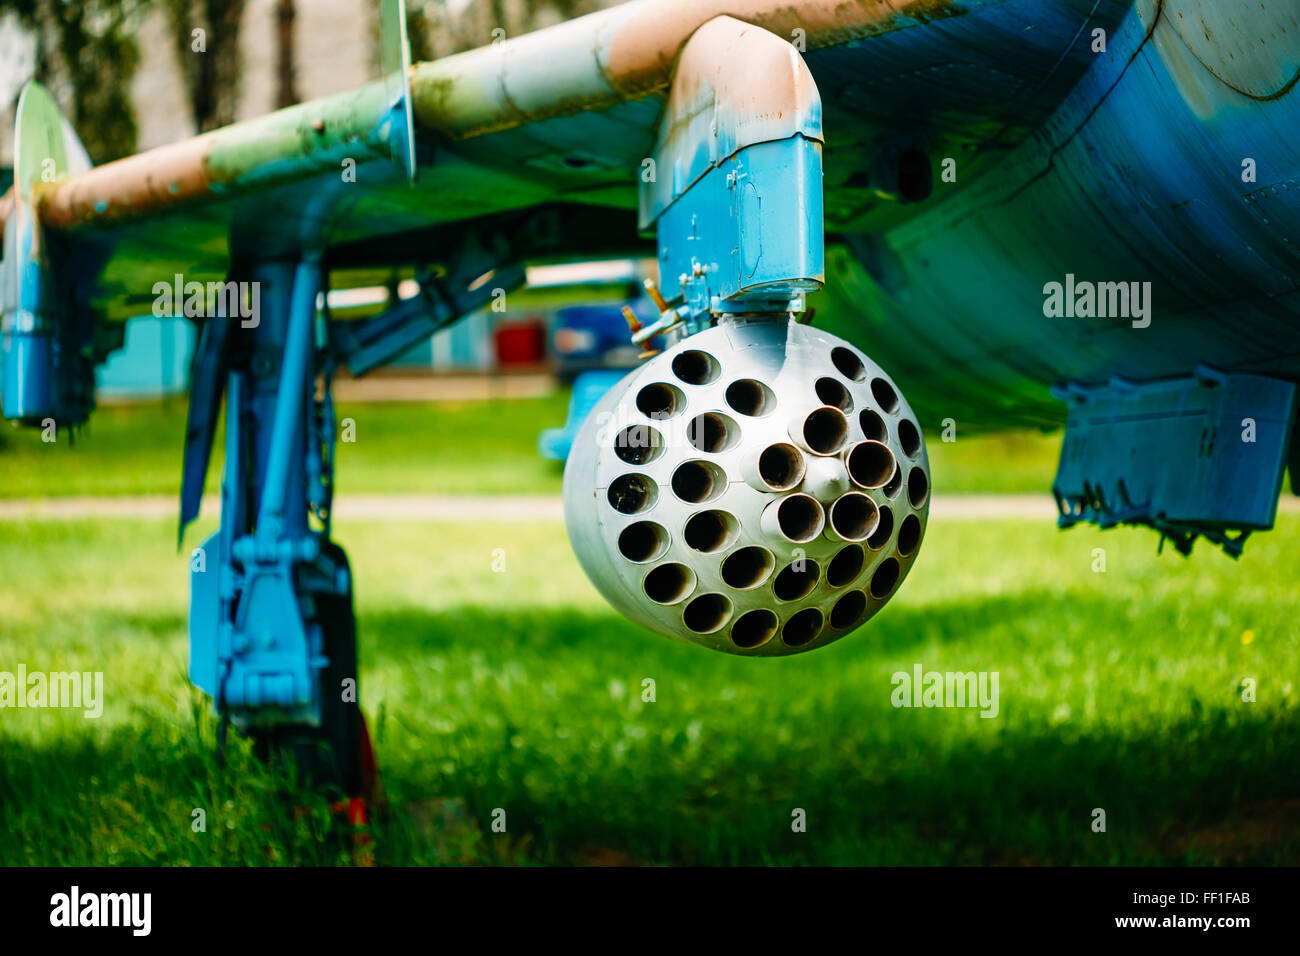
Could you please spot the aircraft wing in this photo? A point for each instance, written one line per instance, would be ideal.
(972, 155)
(566, 116)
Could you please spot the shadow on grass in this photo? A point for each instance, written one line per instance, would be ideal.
(539, 714)
(1194, 783)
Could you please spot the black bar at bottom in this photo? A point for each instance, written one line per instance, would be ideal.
(215, 906)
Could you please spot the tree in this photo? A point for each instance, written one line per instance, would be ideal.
(86, 54)
(207, 48)
(286, 93)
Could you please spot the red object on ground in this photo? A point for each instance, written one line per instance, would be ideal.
(357, 806)
(520, 342)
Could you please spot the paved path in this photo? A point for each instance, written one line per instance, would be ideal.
(481, 508)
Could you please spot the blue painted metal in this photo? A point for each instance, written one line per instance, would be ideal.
(45, 330)
(1199, 455)
(466, 344)
(738, 211)
(396, 55)
(208, 378)
(154, 359)
(213, 577)
(1132, 170)
(749, 231)
(280, 516)
(27, 386)
(594, 336)
(588, 389)
(255, 644)
(367, 344)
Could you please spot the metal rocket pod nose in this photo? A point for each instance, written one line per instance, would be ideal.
(760, 488)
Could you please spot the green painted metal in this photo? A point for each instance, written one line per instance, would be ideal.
(46, 149)
(396, 49)
(302, 141)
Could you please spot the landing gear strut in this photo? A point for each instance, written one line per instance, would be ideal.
(272, 628)
(335, 757)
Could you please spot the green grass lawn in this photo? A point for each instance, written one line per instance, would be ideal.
(522, 691)
(472, 447)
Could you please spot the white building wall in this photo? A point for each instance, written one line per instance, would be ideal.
(336, 43)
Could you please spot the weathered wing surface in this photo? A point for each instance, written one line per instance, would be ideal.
(1120, 163)
(565, 115)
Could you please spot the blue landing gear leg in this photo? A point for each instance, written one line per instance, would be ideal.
(272, 630)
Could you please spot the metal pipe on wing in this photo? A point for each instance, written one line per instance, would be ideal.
(625, 52)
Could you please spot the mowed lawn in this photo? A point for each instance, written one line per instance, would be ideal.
(470, 447)
(455, 448)
(516, 696)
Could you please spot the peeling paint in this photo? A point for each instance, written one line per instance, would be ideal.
(591, 62)
(287, 145)
(625, 52)
(1250, 47)
(735, 85)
